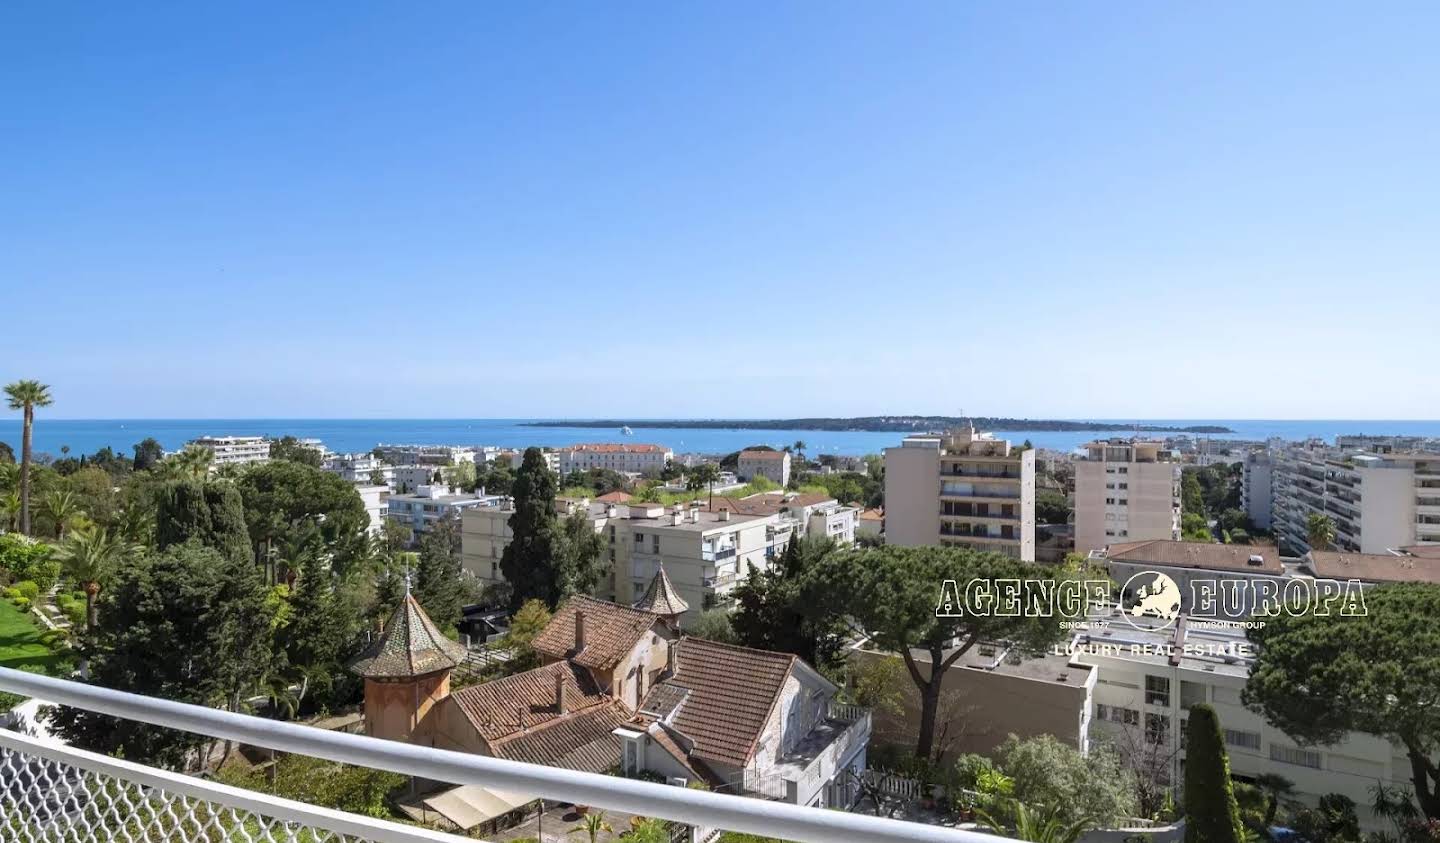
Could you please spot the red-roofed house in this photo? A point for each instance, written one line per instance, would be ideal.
(625, 457)
(772, 465)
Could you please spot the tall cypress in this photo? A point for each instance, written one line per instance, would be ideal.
(529, 560)
(210, 512)
(1211, 813)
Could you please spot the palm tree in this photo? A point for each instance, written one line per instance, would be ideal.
(88, 557)
(800, 448)
(10, 510)
(1274, 786)
(26, 396)
(592, 825)
(1320, 531)
(1037, 827)
(192, 463)
(62, 506)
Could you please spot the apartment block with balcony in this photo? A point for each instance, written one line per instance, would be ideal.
(359, 469)
(1376, 500)
(419, 511)
(234, 450)
(962, 489)
(431, 455)
(1126, 490)
(1257, 490)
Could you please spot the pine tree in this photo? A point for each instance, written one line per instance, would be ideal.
(210, 512)
(529, 560)
(437, 573)
(1212, 815)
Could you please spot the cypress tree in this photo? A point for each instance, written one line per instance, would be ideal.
(209, 512)
(437, 573)
(529, 560)
(1211, 813)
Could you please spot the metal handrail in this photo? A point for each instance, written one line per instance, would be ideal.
(695, 807)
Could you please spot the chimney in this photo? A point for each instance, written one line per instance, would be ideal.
(677, 518)
(579, 631)
(724, 514)
(560, 693)
(520, 715)
(694, 515)
(611, 511)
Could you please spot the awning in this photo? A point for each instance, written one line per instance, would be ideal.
(470, 805)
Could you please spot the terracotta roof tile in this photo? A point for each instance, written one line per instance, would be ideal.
(411, 645)
(762, 455)
(661, 597)
(611, 632)
(1374, 567)
(1202, 555)
(615, 448)
(503, 707)
(732, 693)
(615, 497)
(579, 741)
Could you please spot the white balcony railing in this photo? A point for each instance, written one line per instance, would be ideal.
(50, 791)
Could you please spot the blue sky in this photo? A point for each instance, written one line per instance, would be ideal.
(731, 209)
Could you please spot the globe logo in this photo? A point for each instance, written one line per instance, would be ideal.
(1150, 594)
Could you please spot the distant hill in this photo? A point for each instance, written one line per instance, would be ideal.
(900, 424)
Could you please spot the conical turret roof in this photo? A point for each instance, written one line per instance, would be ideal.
(661, 597)
(411, 645)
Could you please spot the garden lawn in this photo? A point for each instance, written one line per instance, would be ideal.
(20, 641)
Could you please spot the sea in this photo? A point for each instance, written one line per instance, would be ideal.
(85, 436)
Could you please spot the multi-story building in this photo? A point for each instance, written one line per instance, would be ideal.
(812, 514)
(626, 458)
(1257, 491)
(234, 450)
(432, 455)
(1149, 679)
(961, 488)
(772, 465)
(516, 458)
(407, 478)
(375, 499)
(359, 468)
(429, 504)
(1376, 500)
(1126, 490)
(705, 553)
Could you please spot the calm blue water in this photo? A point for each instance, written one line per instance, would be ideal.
(87, 436)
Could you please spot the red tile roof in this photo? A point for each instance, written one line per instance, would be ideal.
(763, 455)
(611, 632)
(579, 741)
(615, 497)
(1202, 555)
(504, 707)
(733, 690)
(1374, 567)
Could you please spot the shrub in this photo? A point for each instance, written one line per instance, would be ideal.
(74, 612)
(11, 593)
(22, 604)
(54, 638)
(28, 589)
(24, 559)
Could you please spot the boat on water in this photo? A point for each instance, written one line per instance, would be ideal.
(626, 431)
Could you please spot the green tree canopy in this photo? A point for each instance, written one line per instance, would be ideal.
(892, 593)
(1319, 678)
(782, 609)
(282, 497)
(437, 572)
(528, 562)
(148, 454)
(292, 449)
(210, 512)
(187, 624)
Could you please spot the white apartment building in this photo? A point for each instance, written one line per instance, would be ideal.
(1145, 690)
(1126, 490)
(1377, 500)
(626, 458)
(358, 468)
(517, 458)
(374, 498)
(405, 479)
(1257, 492)
(430, 504)
(772, 465)
(431, 455)
(234, 450)
(705, 553)
(961, 488)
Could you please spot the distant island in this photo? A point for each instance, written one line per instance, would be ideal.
(882, 424)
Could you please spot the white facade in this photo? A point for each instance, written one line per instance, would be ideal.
(374, 498)
(405, 479)
(623, 457)
(358, 468)
(1376, 501)
(1126, 490)
(430, 504)
(234, 450)
(432, 455)
(1148, 694)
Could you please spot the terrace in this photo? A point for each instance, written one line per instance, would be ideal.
(52, 791)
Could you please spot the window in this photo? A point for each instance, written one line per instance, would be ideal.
(1102, 711)
(655, 543)
(1124, 501)
(1124, 470)
(639, 538)
(1191, 693)
(1247, 740)
(1157, 690)
(1157, 729)
(1295, 755)
(1124, 485)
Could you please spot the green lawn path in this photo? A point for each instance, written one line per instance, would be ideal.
(20, 641)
